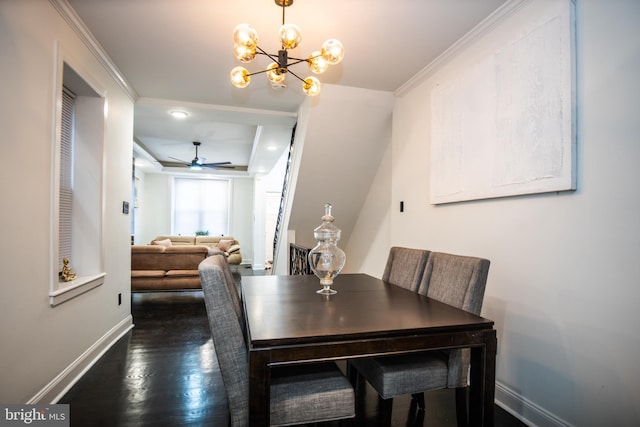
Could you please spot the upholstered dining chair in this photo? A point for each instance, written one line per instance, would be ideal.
(405, 267)
(299, 394)
(234, 288)
(455, 280)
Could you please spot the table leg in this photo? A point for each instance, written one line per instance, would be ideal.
(483, 382)
(259, 388)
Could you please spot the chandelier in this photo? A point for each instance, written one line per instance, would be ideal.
(246, 48)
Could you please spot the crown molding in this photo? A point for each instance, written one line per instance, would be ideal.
(489, 23)
(78, 26)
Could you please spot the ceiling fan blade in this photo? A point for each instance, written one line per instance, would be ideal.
(181, 161)
(173, 164)
(225, 166)
(208, 165)
(198, 163)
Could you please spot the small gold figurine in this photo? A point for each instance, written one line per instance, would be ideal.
(66, 274)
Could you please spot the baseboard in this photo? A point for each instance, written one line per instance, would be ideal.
(59, 386)
(525, 410)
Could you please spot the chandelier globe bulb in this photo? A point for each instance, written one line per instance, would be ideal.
(316, 62)
(240, 77)
(244, 53)
(244, 35)
(274, 74)
(311, 86)
(290, 36)
(332, 51)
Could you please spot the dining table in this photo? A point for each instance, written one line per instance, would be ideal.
(287, 322)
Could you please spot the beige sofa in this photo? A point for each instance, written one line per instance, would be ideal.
(160, 268)
(229, 245)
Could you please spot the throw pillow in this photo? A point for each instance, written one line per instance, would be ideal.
(225, 244)
(165, 242)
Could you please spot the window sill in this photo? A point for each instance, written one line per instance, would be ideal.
(74, 288)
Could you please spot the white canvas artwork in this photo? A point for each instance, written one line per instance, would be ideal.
(513, 133)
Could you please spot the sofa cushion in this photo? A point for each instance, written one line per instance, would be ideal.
(147, 273)
(212, 241)
(164, 242)
(147, 249)
(225, 244)
(178, 240)
(182, 273)
(184, 257)
(147, 257)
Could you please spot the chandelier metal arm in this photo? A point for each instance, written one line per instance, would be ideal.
(288, 71)
(296, 76)
(297, 61)
(263, 52)
(305, 59)
(258, 72)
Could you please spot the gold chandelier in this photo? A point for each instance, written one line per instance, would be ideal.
(246, 48)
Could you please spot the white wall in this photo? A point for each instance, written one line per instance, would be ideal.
(564, 281)
(263, 186)
(242, 217)
(38, 341)
(367, 247)
(154, 214)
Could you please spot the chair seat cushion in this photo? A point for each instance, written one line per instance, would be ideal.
(307, 393)
(393, 376)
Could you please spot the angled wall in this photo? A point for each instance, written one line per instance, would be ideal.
(344, 141)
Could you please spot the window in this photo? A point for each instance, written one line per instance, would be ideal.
(78, 186)
(201, 205)
(65, 208)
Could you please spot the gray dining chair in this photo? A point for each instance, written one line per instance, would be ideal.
(298, 394)
(455, 280)
(235, 291)
(405, 267)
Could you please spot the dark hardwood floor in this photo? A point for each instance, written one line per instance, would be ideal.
(164, 373)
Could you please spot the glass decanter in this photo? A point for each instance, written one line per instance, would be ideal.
(326, 259)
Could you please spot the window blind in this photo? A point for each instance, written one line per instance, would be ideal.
(201, 204)
(65, 214)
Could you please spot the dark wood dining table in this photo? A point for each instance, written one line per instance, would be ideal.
(289, 323)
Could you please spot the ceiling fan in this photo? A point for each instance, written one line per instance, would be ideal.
(196, 163)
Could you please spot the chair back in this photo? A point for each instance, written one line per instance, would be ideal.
(228, 335)
(234, 288)
(458, 281)
(405, 267)
(455, 280)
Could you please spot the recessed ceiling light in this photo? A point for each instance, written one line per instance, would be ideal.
(179, 114)
(271, 147)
